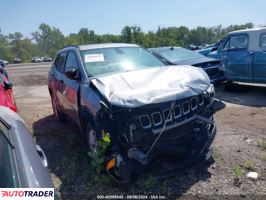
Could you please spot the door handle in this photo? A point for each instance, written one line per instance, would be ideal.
(42, 156)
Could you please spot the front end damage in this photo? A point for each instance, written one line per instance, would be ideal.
(178, 132)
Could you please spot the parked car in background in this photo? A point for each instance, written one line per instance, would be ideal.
(213, 48)
(16, 60)
(193, 47)
(6, 92)
(2, 69)
(36, 60)
(46, 59)
(123, 95)
(204, 46)
(181, 56)
(5, 62)
(243, 54)
(23, 163)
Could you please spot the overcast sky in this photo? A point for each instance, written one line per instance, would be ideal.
(110, 16)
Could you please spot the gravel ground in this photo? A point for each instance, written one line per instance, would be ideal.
(241, 122)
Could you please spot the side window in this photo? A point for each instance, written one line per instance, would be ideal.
(226, 46)
(60, 64)
(8, 172)
(263, 40)
(236, 42)
(71, 62)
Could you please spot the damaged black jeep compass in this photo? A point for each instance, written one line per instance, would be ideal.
(151, 114)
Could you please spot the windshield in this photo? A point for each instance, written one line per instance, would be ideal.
(179, 54)
(117, 59)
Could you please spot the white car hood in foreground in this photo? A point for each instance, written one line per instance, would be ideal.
(154, 85)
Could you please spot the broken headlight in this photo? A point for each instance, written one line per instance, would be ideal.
(209, 95)
(211, 90)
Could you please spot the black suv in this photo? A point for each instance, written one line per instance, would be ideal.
(123, 95)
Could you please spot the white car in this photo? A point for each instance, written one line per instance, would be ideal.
(4, 62)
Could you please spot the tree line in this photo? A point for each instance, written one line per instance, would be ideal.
(47, 40)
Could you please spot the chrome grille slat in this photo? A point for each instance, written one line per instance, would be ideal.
(180, 112)
(141, 121)
(201, 102)
(165, 115)
(191, 104)
(183, 106)
(153, 116)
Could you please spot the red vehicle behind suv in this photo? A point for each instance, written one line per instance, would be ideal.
(6, 92)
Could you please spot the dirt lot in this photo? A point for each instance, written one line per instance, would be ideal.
(238, 148)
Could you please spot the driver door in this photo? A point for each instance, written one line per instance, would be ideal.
(236, 58)
(71, 87)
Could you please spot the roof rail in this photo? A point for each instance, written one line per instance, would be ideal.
(69, 46)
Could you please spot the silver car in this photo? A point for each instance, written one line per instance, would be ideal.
(22, 162)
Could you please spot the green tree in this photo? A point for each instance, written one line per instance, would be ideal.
(4, 48)
(126, 34)
(49, 40)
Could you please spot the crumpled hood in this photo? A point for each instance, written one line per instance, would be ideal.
(154, 85)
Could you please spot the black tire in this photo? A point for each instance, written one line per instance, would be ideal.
(57, 113)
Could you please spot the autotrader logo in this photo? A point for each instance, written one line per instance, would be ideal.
(27, 193)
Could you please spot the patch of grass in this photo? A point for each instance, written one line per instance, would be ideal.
(262, 145)
(97, 162)
(217, 155)
(250, 165)
(238, 171)
(149, 182)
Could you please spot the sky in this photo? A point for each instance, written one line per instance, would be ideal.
(110, 16)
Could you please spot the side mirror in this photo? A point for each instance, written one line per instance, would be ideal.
(8, 85)
(72, 74)
(2, 64)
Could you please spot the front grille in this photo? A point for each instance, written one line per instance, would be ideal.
(183, 137)
(211, 68)
(212, 72)
(182, 109)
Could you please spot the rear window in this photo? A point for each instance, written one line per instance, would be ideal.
(117, 59)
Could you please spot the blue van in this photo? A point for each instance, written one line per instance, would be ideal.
(243, 55)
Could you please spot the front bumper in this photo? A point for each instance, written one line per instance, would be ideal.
(199, 154)
(219, 79)
(184, 143)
